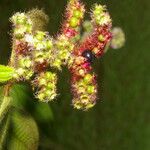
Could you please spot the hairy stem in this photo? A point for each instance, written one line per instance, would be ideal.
(3, 132)
(5, 105)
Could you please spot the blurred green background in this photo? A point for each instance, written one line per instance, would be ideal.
(121, 119)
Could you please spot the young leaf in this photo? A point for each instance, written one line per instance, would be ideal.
(4, 107)
(6, 73)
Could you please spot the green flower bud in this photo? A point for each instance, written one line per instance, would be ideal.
(49, 75)
(41, 96)
(90, 105)
(101, 38)
(84, 100)
(90, 89)
(98, 19)
(20, 71)
(49, 44)
(74, 22)
(57, 64)
(77, 13)
(40, 35)
(98, 10)
(19, 33)
(28, 74)
(88, 78)
(28, 28)
(42, 82)
(50, 86)
(21, 19)
(40, 46)
(48, 93)
(77, 104)
(25, 62)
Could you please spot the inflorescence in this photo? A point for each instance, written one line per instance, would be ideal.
(35, 53)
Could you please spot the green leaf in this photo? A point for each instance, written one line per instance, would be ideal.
(16, 144)
(25, 132)
(3, 131)
(4, 107)
(6, 73)
(20, 95)
(43, 112)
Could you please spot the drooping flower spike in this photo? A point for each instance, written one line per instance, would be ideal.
(35, 53)
(32, 50)
(21, 49)
(32, 54)
(84, 86)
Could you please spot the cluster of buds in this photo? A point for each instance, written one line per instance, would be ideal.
(21, 58)
(32, 55)
(42, 52)
(63, 49)
(84, 87)
(45, 84)
(74, 15)
(35, 52)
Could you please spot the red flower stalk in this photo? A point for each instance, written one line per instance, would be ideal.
(84, 86)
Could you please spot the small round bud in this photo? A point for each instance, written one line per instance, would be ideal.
(28, 74)
(50, 86)
(98, 9)
(81, 72)
(90, 89)
(77, 13)
(41, 96)
(57, 64)
(49, 44)
(25, 62)
(42, 82)
(88, 78)
(21, 19)
(18, 33)
(20, 71)
(40, 35)
(101, 38)
(74, 22)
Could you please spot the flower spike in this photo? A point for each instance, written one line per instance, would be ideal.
(66, 40)
(45, 83)
(74, 15)
(84, 86)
